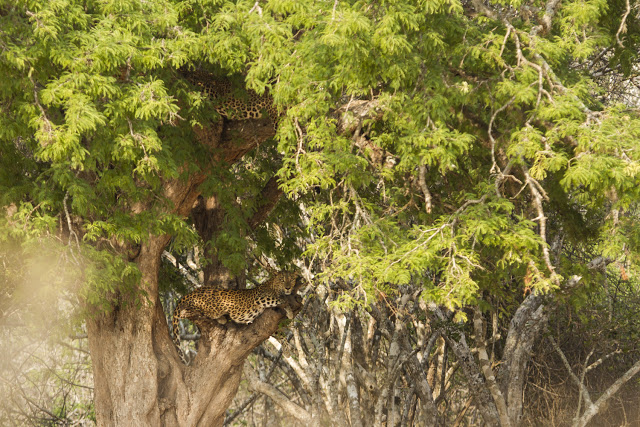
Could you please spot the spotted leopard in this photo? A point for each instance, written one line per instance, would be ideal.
(230, 103)
(241, 305)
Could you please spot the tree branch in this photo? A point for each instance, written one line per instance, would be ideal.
(477, 384)
(276, 395)
(181, 268)
(425, 190)
(485, 364)
(600, 403)
(623, 25)
(583, 390)
(547, 19)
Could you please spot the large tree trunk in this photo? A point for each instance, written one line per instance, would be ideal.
(525, 328)
(139, 379)
(208, 219)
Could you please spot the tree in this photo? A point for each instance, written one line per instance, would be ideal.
(449, 151)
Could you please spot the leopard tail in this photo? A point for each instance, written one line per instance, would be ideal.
(175, 321)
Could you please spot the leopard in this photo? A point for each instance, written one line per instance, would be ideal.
(231, 103)
(242, 306)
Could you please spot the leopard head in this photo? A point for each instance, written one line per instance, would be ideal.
(284, 282)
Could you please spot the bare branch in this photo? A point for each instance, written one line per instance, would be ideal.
(623, 25)
(347, 367)
(593, 408)
(423, 186)
(292, 362)
(256, 7)
(599, 263)
(276, 395)
(494, 165)
(477, 384)
(485, 10)
(181, 268)
(602, 359)
(485, 364)
(538, 195)
(574, 377)
(547, 19)
(600, 403)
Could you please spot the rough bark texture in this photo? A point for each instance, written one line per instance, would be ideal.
(525, 328)
(456, 340)
(208, 218)
(485, 364)
(139, 379)
(475, 380)
(498, 398)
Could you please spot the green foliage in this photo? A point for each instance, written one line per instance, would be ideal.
(85, 127)
(470, 119)
(107, 275)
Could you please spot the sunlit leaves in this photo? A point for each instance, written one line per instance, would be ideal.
(446, 112)
(606, 155)
(149, 99)
(578, 24)
(106, 274)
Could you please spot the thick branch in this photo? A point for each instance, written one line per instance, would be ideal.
(276, 395)
(477, 384)
(600, 403)
(353, 394)
(423, 186)
(485, 364)
(525, 327)
(547, 19)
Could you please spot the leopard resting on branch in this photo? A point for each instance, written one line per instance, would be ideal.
(229, 102)
(241, 305)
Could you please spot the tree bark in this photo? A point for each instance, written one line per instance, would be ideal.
(139, 379)
(208, 220)
(487, 370)
(483, 399)
(524, 329)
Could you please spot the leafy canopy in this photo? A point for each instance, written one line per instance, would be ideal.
(485, 139)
